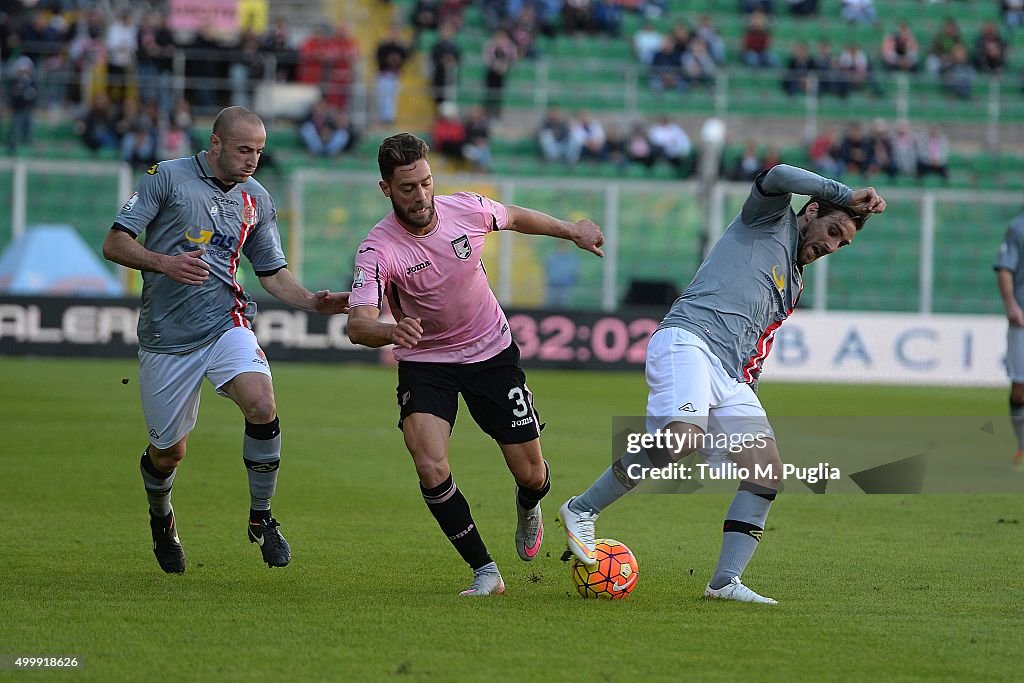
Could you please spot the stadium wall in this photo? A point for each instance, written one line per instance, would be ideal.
(883, 348)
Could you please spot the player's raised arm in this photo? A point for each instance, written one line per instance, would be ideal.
(786, 179)
(187, 268)
(584, 234)
(285, 287)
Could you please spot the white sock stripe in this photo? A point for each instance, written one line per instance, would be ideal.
(437, 500)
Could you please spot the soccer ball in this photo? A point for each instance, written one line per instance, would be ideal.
(612, 578)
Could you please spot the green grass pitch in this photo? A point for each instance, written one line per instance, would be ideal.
(883, 587)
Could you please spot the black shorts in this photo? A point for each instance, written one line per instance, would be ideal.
(495, 392)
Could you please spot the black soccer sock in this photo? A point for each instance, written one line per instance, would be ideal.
(261, 452)
(529, 498)
(158, 486)
(451, 510)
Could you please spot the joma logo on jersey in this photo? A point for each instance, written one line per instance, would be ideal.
(417, 268)
(462, 247)
(211, 237)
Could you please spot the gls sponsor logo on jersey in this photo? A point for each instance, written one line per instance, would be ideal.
(220, 244)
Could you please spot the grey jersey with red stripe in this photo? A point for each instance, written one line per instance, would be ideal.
(180, 207)
(750, 281)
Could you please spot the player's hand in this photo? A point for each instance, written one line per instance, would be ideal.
(867, 201)
(588, 236)
(407, 333)
(326, 303)
(1015, 316)
(187, 268)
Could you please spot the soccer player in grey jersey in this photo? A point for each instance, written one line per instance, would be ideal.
(704, 360)
(200, 215)
(1009, 268)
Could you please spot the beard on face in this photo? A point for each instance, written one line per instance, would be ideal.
(417, 220)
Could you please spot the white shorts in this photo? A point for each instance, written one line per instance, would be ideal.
(170, 383)
(688, 384)
(1015, 354)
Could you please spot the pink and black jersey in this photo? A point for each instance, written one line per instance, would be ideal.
(439, 278)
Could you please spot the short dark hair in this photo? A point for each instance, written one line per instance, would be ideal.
(825, 207)
(400, 150)
(229, 119)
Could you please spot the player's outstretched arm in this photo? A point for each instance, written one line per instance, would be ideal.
(366, 330)
(283, 286)
(584, 234)
(187, 268)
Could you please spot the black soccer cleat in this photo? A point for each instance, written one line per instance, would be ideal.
(166, 546)
(276, 552)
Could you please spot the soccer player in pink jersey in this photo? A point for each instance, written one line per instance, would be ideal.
(452, 337)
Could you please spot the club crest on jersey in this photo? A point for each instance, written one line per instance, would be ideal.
(249, 215)
(462, 247)
(359, 280)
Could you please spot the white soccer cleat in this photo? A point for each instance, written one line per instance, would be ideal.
(486, 581)
(529, 531)
(579, 532)
(735, 590)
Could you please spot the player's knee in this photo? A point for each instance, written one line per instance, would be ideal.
(167, 459)
(262, 410)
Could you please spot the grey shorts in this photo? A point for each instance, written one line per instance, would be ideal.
(1015, 354)
(170, 383)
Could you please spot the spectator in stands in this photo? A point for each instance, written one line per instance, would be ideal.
(424, 17)
(326, 131)
(155, 62)
(122, 46)
(246, 68)
(698, 67)
(562, 272)
(638, 145)
(37, 39)
(933, 154)
(859, 12)
(204, 68)
(98, 127)
(900, 50)
(666, 70)
(590, 136)
(799, 66)
(941, 49)
(615, 146)
(772, 158)
(958, 74)
(328, 59)
(445, 57)
(904, 149)
(577, 17)
(1013, 13)
(448, 134)
(646, 42)
(757, 42)
(556, 139)
(452, 12)
(803, 8)
(670, 142)
(750, 6)
(139, 128)
(22, 96)
(278, 43)
(499, 54)
(748, 164)
(857, 70)
(826, 154)
(855, 150)
(523, 29)
(882, 156)
(831, 79)
(707, 32)
(392, 53)
(989, 49)
(181, 120)
(477, 149)
(607, 16)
